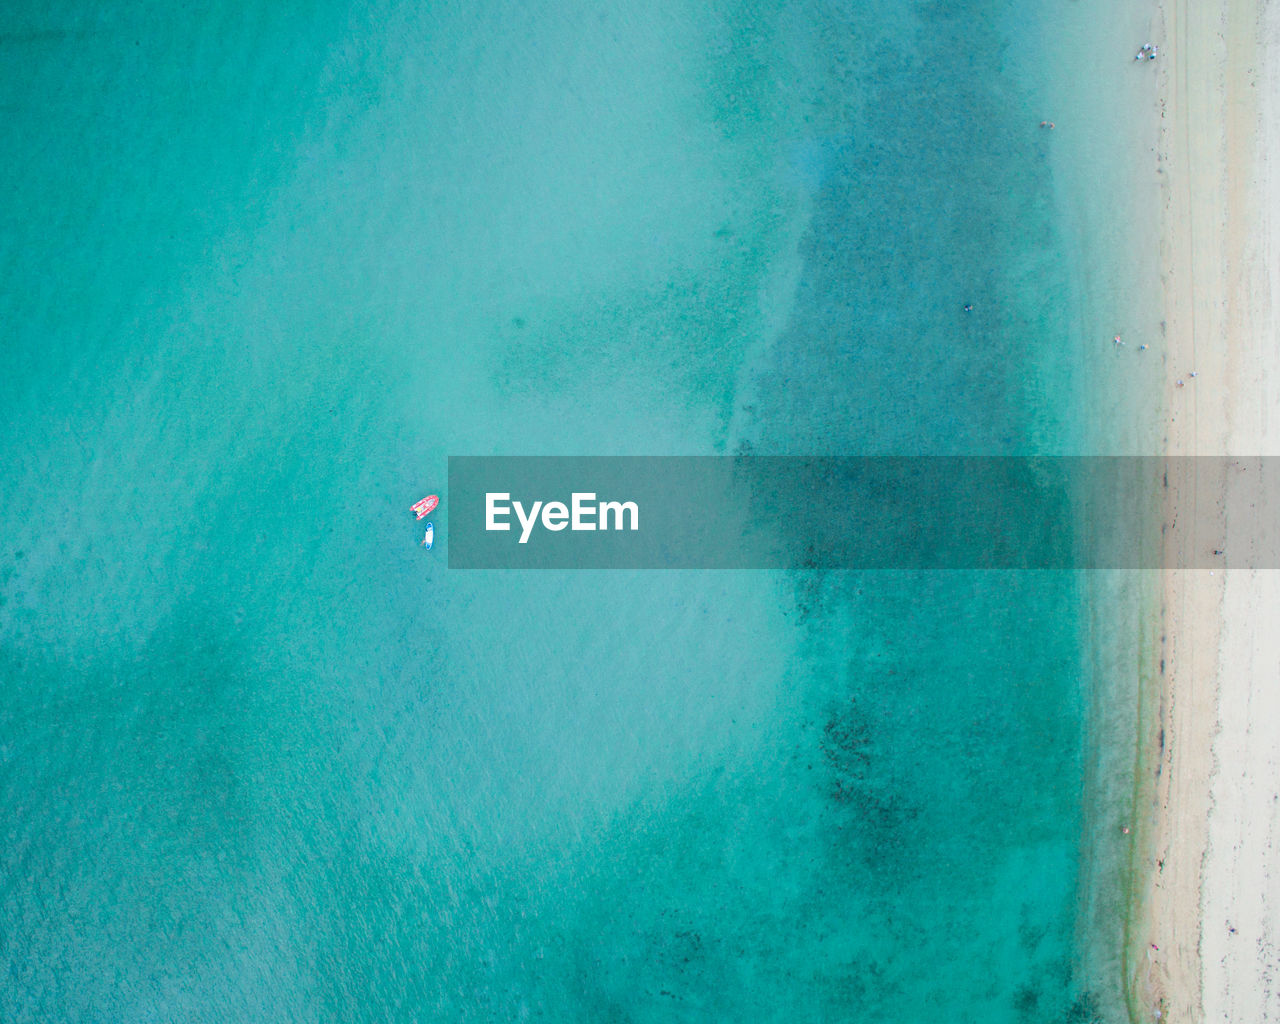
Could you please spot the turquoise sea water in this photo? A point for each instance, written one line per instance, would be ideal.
(263, 758)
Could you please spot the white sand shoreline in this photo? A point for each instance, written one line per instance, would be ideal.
(1203, 947)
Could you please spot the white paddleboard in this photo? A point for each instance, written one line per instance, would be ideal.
(430, 537)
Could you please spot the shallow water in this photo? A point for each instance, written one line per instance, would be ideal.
(264, 758)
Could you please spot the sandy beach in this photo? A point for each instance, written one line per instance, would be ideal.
(1204, 945)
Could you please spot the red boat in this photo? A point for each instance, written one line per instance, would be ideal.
(426, 506)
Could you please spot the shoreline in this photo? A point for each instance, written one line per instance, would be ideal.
(1206, 818)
